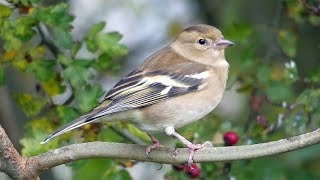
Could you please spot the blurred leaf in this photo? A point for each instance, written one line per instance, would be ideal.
(52, 86)
(278, 92)
(36, 131)
(67, 114)
(138, 133)
(89, 97)
(31, 105)
(42, 69)
(5, 11)
(310, 98)
(62, 38)
(106, 62)
(109, 43)
(263, 74)
(110, 136)
(77, 74)
(288, 42)
(91, 36)
(2, 76)
(92, 169)
(54, 16)
(118, 175)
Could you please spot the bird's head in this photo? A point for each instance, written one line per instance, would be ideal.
(201, 43)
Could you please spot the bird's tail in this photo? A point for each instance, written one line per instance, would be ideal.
(81, 121)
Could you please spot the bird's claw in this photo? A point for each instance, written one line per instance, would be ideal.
(193, 148)
(151, 147)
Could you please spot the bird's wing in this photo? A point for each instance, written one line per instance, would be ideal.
(141, 88)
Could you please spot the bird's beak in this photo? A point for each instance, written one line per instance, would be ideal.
(223, 43)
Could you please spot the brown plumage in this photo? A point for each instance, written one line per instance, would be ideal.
(177, 85)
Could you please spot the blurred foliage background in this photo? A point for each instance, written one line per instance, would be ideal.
(58, 58)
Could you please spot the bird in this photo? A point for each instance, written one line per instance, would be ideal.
(175, 86)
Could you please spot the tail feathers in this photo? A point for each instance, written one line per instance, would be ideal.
(81, 121)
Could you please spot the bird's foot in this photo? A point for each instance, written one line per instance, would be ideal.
(193, 148)
(155, 144)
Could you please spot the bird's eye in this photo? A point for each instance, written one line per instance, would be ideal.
(202, 41)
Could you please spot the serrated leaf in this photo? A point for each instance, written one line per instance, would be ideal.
(109, 43)
(54, 16)
(89, 97)
(62, 38)
(77, 75)
(91, 36)
(106, 62)
(288, 42)
(42, 69)
(5, 11)
(31, 105)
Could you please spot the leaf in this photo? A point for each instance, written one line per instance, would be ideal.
(54, 16)
(110, 136)
(31, 105)
(288, 42)
(67, 114)
(2, 76)
(263, 74)
(106, 62)
(89, 97)
(136, 132)
(92, 169)
(5, 11)
(52, 86)
(42, 69)
(278, 92)
(77, 75)
(90, 39)
(108, 43)
(62, 38)
(37, 130)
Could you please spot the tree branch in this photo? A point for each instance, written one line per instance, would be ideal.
(38, 164)
(19, 167)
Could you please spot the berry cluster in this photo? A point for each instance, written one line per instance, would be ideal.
(193, 171)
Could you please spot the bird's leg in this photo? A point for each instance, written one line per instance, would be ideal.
(155, 144)
(192, 147)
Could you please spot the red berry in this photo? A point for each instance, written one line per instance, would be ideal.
(193, 171)
(230, 138)
(178, 167)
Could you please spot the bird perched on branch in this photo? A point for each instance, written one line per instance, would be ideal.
(175, 86)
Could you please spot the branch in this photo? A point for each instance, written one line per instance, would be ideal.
(11, 162)
(42, 162)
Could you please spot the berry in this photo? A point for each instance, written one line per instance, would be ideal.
(178, 167)
(193, 171)
(230, 138)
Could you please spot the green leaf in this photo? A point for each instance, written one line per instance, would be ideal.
(53, 86)
(278, 92)
(42, 69)
(2, 76)
(136, 132)
(263, 73)
(77, 75)
(62, 38)
(91, 36)
(37, 130)
(110, 136)
(109, 43)
(89, 97)
(54, 16)
(67, 114)
(31, 105)
(5, 11)
(288, 42)
(118, 175)
(92, 169)
(106, 62)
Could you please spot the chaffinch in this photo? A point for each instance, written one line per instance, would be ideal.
(175, 86)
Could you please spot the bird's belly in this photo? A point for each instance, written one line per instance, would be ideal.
(175, 113)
